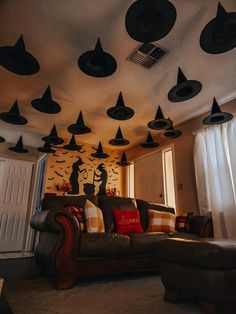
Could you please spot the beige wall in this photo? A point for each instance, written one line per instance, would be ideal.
(184, 163)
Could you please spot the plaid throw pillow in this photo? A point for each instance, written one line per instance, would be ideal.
(183, 222)
(160, 221)
(93, 217)
(78, 214)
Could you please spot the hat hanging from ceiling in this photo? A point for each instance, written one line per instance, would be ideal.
(46, 148)
(185, 89)
(219, 35)
(2, 139)
(13, 116)
(46, 104)
(120, 111)
(160, 122)
(119, 140)
(72, 145)
(99, 153)
(171, 132)
(97, 62)
(19, 148)
(150, 20)
(79, 127)
(217, 116)
(123, 162)
(149, 142)
(53, 137)
(17, 60)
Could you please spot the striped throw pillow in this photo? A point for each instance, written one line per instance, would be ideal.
(93, 217)
(160, 221)
(183, 222)
(78, 214)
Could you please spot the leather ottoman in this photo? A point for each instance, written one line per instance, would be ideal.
(205, 270)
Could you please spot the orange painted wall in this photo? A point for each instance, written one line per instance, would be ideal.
(184, 159)
(59, 168)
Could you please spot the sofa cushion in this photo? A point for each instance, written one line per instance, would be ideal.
(110, 203)
(160, 221)
(104, 244)
(144, 206)
(199, 253)
(127, 221)
(183, 235)
(62, 201)
(146, 243)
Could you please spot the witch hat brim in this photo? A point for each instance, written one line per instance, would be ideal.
(150, 20)
(184, 89)
(18, 61)
(119, 142)
(120, 111)
(123, 162)
(53, 137)
(149, 144)
(106, 65)
(13, 116)
(2, 139)
(46, 104)
(217, 118)
(159, 124)
(172, 133)
(19, 148)
(208, 40)
(79, 127)
(46, 149)
(99, 153)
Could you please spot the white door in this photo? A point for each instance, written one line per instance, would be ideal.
(148, 178)
(15, 179)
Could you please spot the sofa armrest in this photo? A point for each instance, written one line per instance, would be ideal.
(57, 248)
(202, 226)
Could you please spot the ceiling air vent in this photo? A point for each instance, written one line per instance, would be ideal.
(147, 55)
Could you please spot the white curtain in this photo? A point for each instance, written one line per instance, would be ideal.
(215, 170)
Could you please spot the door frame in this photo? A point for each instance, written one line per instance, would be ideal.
(161, 149)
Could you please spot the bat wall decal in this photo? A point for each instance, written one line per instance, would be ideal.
(60, 161)
(57, 173)
(115, 171)
(50, 179)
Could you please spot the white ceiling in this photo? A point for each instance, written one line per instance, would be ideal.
(58, 32)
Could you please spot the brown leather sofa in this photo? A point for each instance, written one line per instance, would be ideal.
(66, 253)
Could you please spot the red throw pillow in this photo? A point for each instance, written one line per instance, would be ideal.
(78, 214)
(127, 221)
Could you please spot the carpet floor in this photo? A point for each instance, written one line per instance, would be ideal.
(132, 295)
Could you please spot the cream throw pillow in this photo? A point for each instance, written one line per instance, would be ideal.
(93, 218)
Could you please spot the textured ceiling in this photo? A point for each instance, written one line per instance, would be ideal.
(57, 32)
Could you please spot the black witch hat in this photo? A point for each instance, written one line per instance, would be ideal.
(217, 116)
(17, 60)
(72, 145)
(219, 35)
(171, 132)
(160, 122)
(19, 148)
(53, 137)
(185, 89)
(120, 111)
(79, 127)
(150, 20)
(46, 148)
(123, 162)
(46, 104)
(149, 142)
(119, 140)
(2, 139)
(99, 153)
(13, 116)
(97, 62)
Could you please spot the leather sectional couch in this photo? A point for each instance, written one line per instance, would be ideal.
(65, 253)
